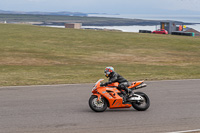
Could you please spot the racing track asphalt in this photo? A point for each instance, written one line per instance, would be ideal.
(175, 106)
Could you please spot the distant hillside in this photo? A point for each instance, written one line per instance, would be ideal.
(85, 20)
(64, 13)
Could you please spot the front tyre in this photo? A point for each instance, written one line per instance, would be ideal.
(97, 106)
(141, 105)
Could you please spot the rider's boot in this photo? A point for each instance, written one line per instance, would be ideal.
(124, 99)
(128, 92)
(124, 96)
(127, 96)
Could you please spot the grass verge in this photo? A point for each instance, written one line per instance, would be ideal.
(31, 55)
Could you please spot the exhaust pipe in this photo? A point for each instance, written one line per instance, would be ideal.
(135, 97)
(140, 86)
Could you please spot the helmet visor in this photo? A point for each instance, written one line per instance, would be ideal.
(107, 73)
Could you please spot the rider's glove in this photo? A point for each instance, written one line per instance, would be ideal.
(104, 84)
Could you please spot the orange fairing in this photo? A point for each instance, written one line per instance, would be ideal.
(134, 84)
(111, 94)
(115, 84)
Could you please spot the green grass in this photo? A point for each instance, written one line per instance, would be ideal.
(31, 55)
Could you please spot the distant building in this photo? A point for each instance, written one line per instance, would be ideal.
(181, 29)
(170, 26)
(73, 25)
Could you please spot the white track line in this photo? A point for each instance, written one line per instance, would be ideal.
(186, 131)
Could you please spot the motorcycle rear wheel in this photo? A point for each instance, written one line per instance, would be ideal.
(97, 106)
(141, 105)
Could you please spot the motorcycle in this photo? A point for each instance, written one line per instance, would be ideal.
(109, 96)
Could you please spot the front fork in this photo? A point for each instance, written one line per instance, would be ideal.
(99, 97)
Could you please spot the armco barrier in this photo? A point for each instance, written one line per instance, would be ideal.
(183, 33)
(144, 31)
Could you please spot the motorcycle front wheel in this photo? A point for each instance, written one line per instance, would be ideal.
(141, 105)
(97, 106)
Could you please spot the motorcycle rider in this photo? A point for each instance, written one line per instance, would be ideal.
(115, 77)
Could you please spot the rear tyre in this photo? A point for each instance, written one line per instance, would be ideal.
(141, 105)
(97, 106)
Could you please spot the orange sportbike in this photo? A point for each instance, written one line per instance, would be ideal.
(109, 96)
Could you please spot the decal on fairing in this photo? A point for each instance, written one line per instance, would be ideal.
(117, 104)
(108, 95)
(114, 102)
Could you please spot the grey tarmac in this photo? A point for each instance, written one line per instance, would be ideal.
(175, 106)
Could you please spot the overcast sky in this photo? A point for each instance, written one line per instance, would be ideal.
(100, 6)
